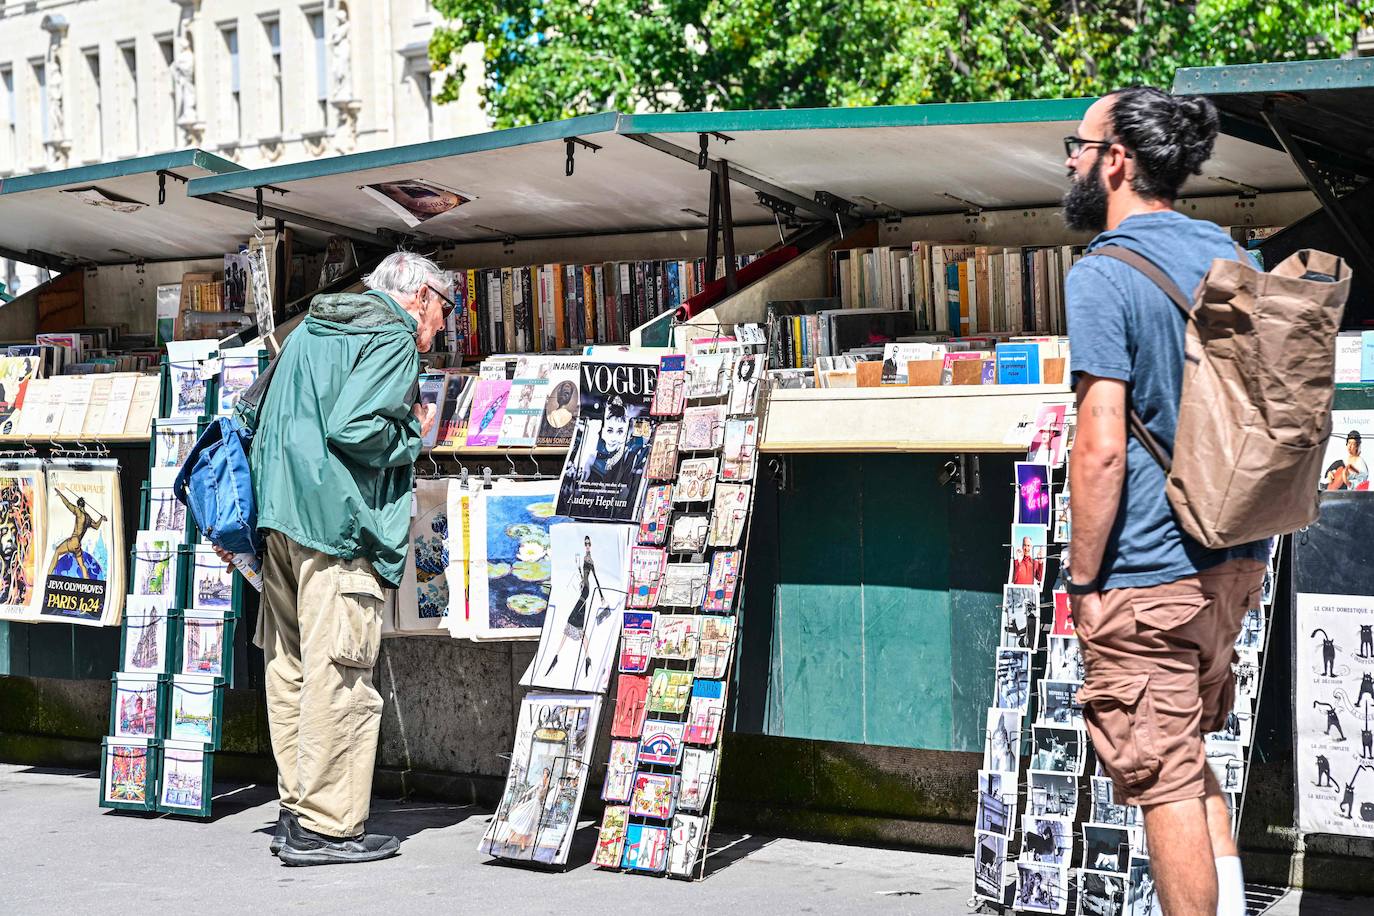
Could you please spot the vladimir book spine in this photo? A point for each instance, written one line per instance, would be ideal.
(589, 325)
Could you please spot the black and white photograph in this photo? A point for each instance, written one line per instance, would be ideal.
(1140, 889)
(1057, 750)
(1247, 671)
(1063, 659)
(1106, 847)
(1105, 810)
(1058, 704)
(1101, 894)
(1047, 839)
(1251, 634)
(989, 871)
(1011, 689)
(1041, 888)
(1227, 760)
(996, 802)
(1002, 744)
(1052, 793)
(1020, 617)
(1239, 726)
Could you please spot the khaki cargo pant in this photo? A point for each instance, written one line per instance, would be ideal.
(320, 629)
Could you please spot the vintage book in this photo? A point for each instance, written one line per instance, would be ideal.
(75, 393)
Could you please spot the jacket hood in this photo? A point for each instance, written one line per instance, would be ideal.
(359, 313)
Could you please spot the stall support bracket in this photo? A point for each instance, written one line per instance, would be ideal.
(162, 175)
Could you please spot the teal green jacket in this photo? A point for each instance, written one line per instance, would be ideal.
(333, 458)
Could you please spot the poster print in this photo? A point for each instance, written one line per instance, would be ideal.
(1028, 555)
(1345, 466)
(1058, 750)
(646, 848)
(662, 463)
(145, 635)
(172, 441)
(1333, 677)
(684, 844)
(610, 839)
(646, 572)
(636, 641)
(1032, 493)
(488, 412)
(706, 712)
(684, 585)
(83, 554)
(620, 771)
(696, 778)
(720, 589)
(422, 601)
(703, 428)
(460, 546)
(740, 449)
(23, 515)
(590, 580)
(670, 396)
(989, 866)
(1101, 893)
(675, 637)
(996, 811)
(653, 796)
(689, 534)
(1021, 617)
(560, 404)
(744, 384)
(126, 772)
(661, 742)
(537, 814)
(653, 518)
(696, 480)
(136, 698)
(603, 478)
(714, 642)
(155, 564)
(511, 567)
(669, 691)
(1002, 744)
(729, 514)
(1041, 888)
(631, 705)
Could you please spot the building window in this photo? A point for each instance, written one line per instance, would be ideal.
(273, 29)
(9, 111)
(316, 23)
(129, 56)
(419, 108)
(95, 120)
(167, 50)
(234, 110)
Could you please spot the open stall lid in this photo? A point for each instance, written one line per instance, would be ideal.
(117, 212)
(934, 158)
(563, 178)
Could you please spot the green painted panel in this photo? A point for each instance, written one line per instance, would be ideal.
(1284, 76)
(4, 647)
(1354, 397)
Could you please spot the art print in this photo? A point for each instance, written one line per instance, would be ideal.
(415, 200)
(145, 636)
(1047, 839)
(715, 641)
(136, 706)
(708, 374)
(653, 796)
(1345, 466)
(1063, 659)
(675, 637)
(660, 743)
(422, 601)
(603, 477)
(464, 551)
(684, 585)
(631, 705)
(662, 464)
(561, 404)
(646, 571)
(729, 514)
(183, 778)
(689, 534)
(1041, 888)
(1047, 445)
(636, 640)
(653, 518)
(610, 838)
(155, 564)
(192, 711)
(1032, 494)
(1106, 847)
(1020, 617)
(696, 779)
(707, 711)
(23, 516)
(1105, 810)
(703, 428)
(696, 480)
(488, 412)
(236, 374)
(187, 389)
(989, 866)
(620, 771)
(740, 449)
(1059, 704)
(202, 643)
(1011, 688)
(590, 581)
(646, 848)
(1002, 741)
(996, 811)
(670, 396)
(744, 384)
(172, 441)
(511, 567)
(1028, 555)
(537, 814)
(1053, 794)
(212, 582)
(720, 589)
(1101, 894)
(126, 772)
(1058, 750)
(669, 691)
(684, 846)
(83, 554)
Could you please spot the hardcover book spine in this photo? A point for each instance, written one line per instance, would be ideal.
(508, 309)
(560, 315)
(531, 311)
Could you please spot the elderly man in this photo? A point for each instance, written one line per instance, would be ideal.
(332, 464)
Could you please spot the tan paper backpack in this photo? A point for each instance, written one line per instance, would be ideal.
(1255, 414)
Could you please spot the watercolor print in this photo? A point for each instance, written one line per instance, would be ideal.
(488, 412)
(22, 519)
(652, 796)
(689, 534)
(126, 772)
(703, 428)
(537, 814)
(662, 463)
(145, 635)
(660, 743)
(684, 585)
(684, 845)
(729, 514)
(744, 384)
(636, 641)
(610, 839)
(740, 449)
(669, 691)
(714, 643)
(620, 771)
(631, 706)
(696, 480)
(192, 710)
(671, 394)
(172, 441)
(603, 476)
(183, 778)
(202, 643)
(212, 582)
(590, 580)
(236, 374)
(707, 711)
(653, 519)
(698, 775)
(83, 556)
(646, 848)
(646, 572)
(188, 389)
(512, 565)
(155, 564)
(135, 702)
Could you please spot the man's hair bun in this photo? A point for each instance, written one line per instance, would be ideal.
(1171, 137)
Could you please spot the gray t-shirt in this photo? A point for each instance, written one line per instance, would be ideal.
(1121, 326)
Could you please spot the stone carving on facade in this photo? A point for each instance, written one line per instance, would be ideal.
(341, 97)
(187, 109)
(58, 144)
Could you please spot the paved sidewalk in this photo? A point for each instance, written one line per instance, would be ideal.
(64, 855)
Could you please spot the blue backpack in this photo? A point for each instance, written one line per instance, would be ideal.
(216, 483)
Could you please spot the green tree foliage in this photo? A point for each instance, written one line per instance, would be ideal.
(549, 59)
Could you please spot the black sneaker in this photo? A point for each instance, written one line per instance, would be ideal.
(284, 821)
(304, 846)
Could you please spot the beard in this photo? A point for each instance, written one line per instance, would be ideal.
(1085, 203)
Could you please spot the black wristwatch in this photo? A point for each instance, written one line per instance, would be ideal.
(1088, 588)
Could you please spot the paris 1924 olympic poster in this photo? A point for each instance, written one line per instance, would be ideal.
(83, 557)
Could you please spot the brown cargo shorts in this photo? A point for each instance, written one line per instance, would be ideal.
(1157, 677)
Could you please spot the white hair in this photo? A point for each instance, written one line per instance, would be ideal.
(402, 273)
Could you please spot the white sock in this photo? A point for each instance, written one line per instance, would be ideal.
(1230, 887)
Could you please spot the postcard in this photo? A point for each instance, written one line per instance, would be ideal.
(740, 450)
(708, 374)
(1011, 690)
(703, 428)
(689, 534)
(610, 839)
(1052, 793)
(1033, 493)
(1064, 659)
(715, 640)
(1106, 811)
(989, 866)
(996, 811)
(684, 585)
(707, 711)
(1058, 750)
(1101, 892)
(203, 649)
(1047, 839)
(669, 691)
(646, 848)
(653, 518)
(212, 581)
(135, 705)
(126, 771)
(661, 742)
(670, 394)
(1002, 743)
(155, 564)
(636, 642)
(1106, 847)
(1063, 616)
(192, 710)
(1028, 544)
(675, 636)
(145, 635)
(1020, 617)
(696, 779)
(1041, 888)
(744, 384)
(653, 795)
(684, 846)
(729, 514)
(620, 771)
(696, 480)
(662, 464)
(631, 705)
(646, 572)
(183, 777)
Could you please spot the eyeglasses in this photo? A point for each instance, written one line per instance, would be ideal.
(1074, 146)
(449, 304)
